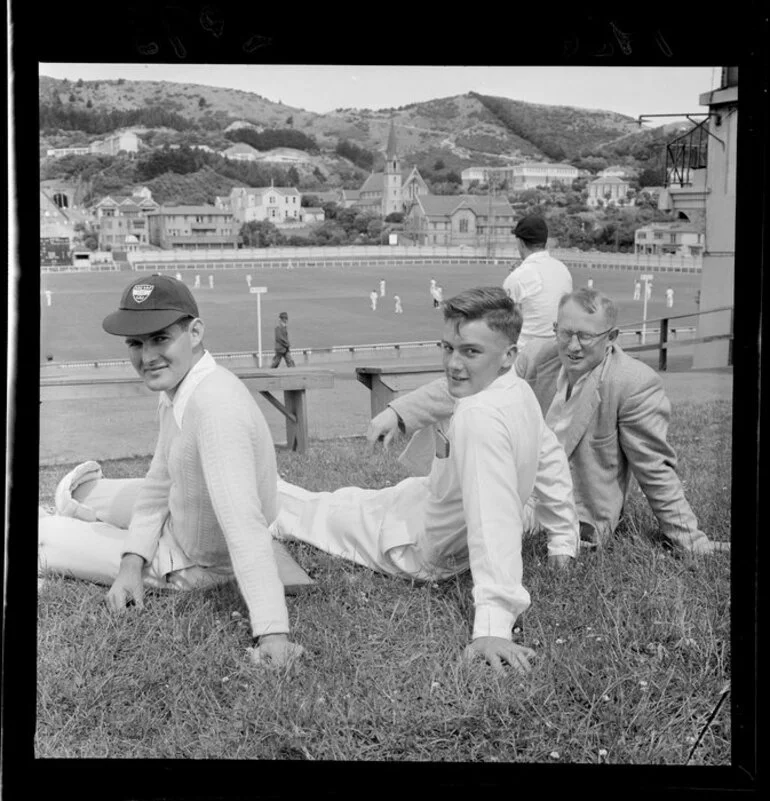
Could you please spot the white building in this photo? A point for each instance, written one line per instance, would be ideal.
(607, 191)
(242, 152)
(680, 238)
(278, 204)
(522, 176)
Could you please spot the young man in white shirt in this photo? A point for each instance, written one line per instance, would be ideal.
(538, 283)
(469, 512)
(201, 515)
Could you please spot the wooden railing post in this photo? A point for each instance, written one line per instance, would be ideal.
(663, 352)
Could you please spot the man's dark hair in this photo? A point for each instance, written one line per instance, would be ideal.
(488, 303)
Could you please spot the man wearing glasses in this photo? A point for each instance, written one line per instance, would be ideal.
(609, 413)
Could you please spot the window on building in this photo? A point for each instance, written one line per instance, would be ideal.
(642, 235)
(463, 226)
(658, 235)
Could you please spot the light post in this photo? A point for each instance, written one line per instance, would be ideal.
(646, 278)
(259, 291)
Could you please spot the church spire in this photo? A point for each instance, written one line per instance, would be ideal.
(391, 152)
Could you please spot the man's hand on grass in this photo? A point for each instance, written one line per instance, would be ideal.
(275, 651)
(559, 561)
(128, 586)
(383, 427)
(497, 650)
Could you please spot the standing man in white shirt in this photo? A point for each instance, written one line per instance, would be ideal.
(538, 283)
(200, 516)
(469, 512)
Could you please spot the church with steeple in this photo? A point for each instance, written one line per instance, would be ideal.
(394, 189)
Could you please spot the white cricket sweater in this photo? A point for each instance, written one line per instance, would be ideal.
(211, 490)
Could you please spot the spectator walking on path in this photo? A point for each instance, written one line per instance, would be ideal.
(468, 513)
(637, 289)
(538, 283)
(282, 342)
(373, 299)
(200, 516)
(610, 413)
(670, 297)
(398, 309)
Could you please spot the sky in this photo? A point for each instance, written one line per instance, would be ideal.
(323, 88)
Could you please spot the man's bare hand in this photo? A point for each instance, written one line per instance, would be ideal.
(384, 426)
(275, 651)
(128, 586)
(497, 650)
(559, 561)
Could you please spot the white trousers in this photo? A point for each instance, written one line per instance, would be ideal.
(395, 530)
(92, 550)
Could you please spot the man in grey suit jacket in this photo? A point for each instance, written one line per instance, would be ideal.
(609, 412)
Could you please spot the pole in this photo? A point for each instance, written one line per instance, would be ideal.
(259, 329)
(644, 311)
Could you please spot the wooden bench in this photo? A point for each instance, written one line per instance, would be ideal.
(387, 383)
(294, 382)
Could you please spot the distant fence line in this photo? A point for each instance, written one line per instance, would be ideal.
(251, 357)
(287, 258)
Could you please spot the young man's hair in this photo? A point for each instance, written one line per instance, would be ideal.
(184, 322)
(592, 301)
(490, 304)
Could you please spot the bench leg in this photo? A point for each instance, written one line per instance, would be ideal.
(381, 396)
(296, 433)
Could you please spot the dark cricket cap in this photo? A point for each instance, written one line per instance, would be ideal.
(149, 304)
(532, 229)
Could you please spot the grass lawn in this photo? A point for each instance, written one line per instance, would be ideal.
(327, 306)
(633, 649)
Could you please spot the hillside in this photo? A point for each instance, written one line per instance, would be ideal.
(461, 131)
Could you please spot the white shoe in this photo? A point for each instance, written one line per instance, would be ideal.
(66, 505)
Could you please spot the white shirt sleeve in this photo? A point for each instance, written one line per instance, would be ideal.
(555, 510)
(522, 283)
(485, 462)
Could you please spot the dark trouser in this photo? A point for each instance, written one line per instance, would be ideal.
(282, 355)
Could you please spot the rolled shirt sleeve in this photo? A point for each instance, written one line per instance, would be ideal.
(484, 457)
(425, 405)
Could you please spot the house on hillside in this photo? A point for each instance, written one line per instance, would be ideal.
(680, 238)
(192, 228)
(349, 197)
(125, 141)
(278, 204)
(59, 152)
(394, 190)
(311, 214)
(234, 126)
(461, 220)
(610, 191)
(521, 176)
(120, 217)
(241, 152)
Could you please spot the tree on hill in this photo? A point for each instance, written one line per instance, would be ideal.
(312, 201)
(260, 234)
(360, 156)
(293, 176)
(272, 138)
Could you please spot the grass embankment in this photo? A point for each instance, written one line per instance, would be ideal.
(632, 649)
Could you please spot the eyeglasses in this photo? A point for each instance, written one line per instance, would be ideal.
(584, 338)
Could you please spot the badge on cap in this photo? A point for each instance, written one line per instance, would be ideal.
(141, 292)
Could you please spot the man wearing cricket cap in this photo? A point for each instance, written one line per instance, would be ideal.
(201, 514)
(537, 284)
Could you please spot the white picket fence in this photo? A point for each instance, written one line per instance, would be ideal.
(374, 255)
